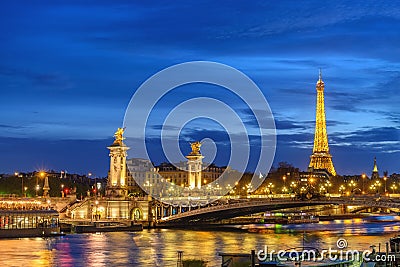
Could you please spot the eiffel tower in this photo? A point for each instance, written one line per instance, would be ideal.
(321, 158)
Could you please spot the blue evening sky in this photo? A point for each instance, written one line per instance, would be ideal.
(69, 68)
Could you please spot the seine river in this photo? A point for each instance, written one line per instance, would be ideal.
(159, 247)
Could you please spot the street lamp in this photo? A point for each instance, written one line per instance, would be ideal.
(37, 189)
(341, 189)
(248, 186)
(372, 188)
(352, 184)
(41, 174)
(385, 178)
(16, 174)
(377, 185)
(97, 203)
(311, 181)
(328, 184)
(270, 186)
(363, 181)
(98, 189)
(303, 189)
(393, 187)
(284, 180)
(322, 189)
(293, 185)
(284, 190)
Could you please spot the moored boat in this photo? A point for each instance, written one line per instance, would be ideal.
(29, 223)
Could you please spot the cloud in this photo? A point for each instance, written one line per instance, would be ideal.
(165, 127)
(11, 127)
(383, 139)
(38, 80)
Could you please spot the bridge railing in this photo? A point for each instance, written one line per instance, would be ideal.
(356, 201)
(222, 207)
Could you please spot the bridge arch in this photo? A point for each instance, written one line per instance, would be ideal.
(251, 206)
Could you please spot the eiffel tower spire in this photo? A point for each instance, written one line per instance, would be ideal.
(321, 158)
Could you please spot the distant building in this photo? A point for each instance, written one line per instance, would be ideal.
(142, 170)
(152, 177)
(179, 175)
(191, 174)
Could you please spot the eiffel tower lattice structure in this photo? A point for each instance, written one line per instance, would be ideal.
(321, 158)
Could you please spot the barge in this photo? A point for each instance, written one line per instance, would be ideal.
(29, 223)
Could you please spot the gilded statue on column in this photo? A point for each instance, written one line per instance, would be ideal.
(195, 148)
(119, 136)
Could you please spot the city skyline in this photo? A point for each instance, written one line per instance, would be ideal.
(68, 72)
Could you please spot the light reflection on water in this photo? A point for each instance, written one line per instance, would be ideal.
(159, 247)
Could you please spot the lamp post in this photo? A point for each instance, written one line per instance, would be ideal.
(372, 187)
(270, 186)
(303, 190)
(311, 182)
(328, 185)
(97, 203)
(95, 183)
(393, 187)
(41, 174)
(385, 178)
(322, 189)
(293, 185)
(363, 181)
(98, 185)
(284, 180)
(341, 189)
(377, 185)
(229, 188)
(16, 174)
(37, 189)
(352, 185)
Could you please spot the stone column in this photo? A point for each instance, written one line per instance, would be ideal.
(117, 184)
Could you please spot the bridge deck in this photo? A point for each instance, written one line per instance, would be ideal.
(251, 206)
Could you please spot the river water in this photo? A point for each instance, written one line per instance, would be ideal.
(158, 247)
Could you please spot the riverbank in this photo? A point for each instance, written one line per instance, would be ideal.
(34, 232)
(99, 226)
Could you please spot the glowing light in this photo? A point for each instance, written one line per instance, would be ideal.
(321, 158)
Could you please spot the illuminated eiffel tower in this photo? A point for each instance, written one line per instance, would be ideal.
(321, 158)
